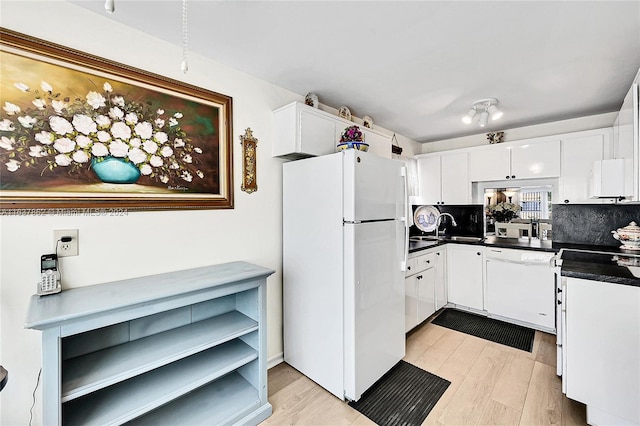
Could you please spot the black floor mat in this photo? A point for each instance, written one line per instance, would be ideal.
(513, 335)
(403, 396)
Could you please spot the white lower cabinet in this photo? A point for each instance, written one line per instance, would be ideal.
(441, 278)
(601, 348)
(465, 275)
(422, 288)
(186, 347)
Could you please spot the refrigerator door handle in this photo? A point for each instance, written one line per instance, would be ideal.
(405, 219)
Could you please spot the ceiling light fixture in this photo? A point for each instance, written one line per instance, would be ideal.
(110, 6)
(486, 107)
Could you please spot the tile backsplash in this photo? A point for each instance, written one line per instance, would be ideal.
(468, 217)
(591, 224)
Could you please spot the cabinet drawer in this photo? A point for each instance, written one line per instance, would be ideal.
(425, 262)
(412, 266)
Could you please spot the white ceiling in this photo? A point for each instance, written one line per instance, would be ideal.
(417, 66)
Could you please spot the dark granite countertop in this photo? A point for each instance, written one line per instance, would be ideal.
(608, 264)
(513, 243)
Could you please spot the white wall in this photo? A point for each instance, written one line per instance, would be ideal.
(546, 129)
(140, 243)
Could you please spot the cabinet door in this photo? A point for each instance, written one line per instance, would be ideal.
(465, 275)
(410, 303)
(429, 179)
(489, 164)
(379, 145)
(455, 183)
(441, 279)
(577, 158)
(426, 281)
(535, 160)
(317, 134)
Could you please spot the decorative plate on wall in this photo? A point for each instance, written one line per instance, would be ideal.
(345, 113)
(425, 218)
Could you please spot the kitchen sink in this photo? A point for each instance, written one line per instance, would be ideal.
(466, 239)
(426, 238)
(462, 239)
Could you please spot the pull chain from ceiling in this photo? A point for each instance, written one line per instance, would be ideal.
(185, 66)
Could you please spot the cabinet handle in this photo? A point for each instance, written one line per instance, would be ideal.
(507, 177)
(566, 201)
(478, 253)
(419, 277)
(408, 268)
(438, 253)
(559, 302)
(428, 261)
(513, 176)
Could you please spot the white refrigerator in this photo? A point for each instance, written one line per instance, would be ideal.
(345, 240)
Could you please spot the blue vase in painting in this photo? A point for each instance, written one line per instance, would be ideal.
(115, 170)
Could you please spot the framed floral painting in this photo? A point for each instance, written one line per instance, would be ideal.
(82, 132)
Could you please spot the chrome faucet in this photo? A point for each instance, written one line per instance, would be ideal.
(453, 221)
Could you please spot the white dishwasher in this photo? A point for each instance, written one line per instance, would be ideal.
(520, 286)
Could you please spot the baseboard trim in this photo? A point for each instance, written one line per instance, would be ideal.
(275, 360)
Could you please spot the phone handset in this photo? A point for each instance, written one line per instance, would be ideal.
(49, 275)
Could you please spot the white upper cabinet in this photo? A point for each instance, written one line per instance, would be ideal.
(523, 160)
(444, 179)
(578, 153)
(301, 131)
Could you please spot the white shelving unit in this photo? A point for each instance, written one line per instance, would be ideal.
(186, 347)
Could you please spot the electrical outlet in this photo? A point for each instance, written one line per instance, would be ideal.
(69, 248)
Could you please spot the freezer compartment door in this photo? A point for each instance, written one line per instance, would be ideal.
(374, 303)
(374, 187)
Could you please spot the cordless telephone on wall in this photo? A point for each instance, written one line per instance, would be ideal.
(49, 275)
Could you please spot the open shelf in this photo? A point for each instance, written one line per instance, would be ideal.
(233, 396)
(96, 370)
(129, 399)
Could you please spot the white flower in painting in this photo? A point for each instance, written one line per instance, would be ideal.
(96, 100)
(84, 124)
(186, 176)
(137, 156)
(12, 165)
(118, 148)
(7, 143)
(120, 130)
(131, 118)
(144, 130)
(200, 174)
(116, 113)
(135, 142)
(60, 125)
(174, 165)
(159, 122)
(164, 179)
(103, 121)
(104, 136)
(80, 157)
(11, 109)
(166, 151)
(99, 150)
(160, 111)
(150, 146)
(156, 161)
(198, 150)
(118, 100)
(6, 125)
(178, 115)
(36, 151)
(39, 103)
(22, 87)
(64, 145)
(146, 169)
(46, 86)
(178, 143)
(58, 106)
(173, 122)
(44, 137)
(83, 141)
(161, 137)
(27, 121)
(107, 87)
(63, 160)
(187, 158)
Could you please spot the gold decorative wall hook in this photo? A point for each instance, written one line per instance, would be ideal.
(249, 145)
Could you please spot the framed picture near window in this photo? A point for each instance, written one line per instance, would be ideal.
(80, 131)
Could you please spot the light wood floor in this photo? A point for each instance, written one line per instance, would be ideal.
(491, 384)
